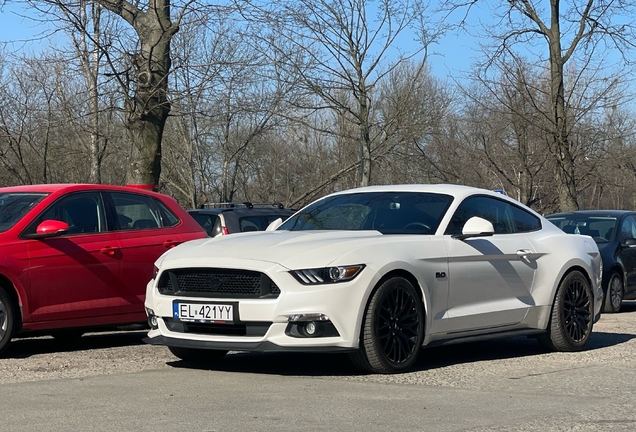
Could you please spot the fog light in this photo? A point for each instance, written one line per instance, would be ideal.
(310, 328)
(152, 319)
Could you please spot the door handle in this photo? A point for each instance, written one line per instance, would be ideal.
(169, 244)
(109, 250)
(523, 253)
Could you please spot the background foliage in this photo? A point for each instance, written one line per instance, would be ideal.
(290, 100)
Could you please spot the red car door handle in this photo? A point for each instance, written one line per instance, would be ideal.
(170, 244)
(109, 250)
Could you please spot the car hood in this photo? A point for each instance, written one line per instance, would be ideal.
(291, 249)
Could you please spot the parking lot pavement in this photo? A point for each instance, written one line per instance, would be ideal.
(114, 381)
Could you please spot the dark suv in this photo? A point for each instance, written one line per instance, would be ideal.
(234, 217)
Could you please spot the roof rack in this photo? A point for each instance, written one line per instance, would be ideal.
(246, 204)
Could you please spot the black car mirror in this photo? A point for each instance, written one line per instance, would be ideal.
(629, 242)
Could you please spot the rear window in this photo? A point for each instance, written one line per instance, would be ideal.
(257, 223)
(600, 228)
(14, 206)
(206, 221)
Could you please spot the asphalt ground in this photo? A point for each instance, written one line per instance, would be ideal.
(113, 381)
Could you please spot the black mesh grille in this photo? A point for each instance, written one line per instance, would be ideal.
(217, 283)
(238, 329)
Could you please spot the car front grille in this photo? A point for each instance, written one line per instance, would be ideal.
(252, 329)
(217, 283)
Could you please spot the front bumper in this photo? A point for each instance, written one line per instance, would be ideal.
(264, 324)
(240, 346)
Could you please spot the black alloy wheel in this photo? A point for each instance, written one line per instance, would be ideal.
(393, 328)
(614, 295)
(576, 311)
(571, 321)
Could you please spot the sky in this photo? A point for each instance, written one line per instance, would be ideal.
(450, 57)
(12, 26)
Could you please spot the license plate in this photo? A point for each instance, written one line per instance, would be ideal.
(203, 312)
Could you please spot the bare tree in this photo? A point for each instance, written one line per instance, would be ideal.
(226, 98)
(84, 29)
(340, 50)
(141, 69)
(29, 120)
(148, 108)
(412, 109)
(580, 31)
(505, 124)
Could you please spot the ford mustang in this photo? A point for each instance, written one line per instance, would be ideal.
(379, 272)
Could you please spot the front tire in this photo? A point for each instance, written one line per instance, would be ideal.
(392, 329)
(571, 321)
(614, 295)
(7, 319)
(197, 355)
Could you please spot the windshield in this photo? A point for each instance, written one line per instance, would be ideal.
(13, 207)
(600, 228)
(387, 212)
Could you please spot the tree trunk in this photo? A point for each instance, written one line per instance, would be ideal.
(148, 108)
(365, 134)
(565, 174)
(93, 116)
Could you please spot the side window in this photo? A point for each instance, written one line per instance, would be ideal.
(628, 229)
(524, 221)
(250, 223)
(141, 212)
(83, 212)
(505, 217)
(169, 219)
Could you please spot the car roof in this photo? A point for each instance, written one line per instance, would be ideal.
(457, 191)
(242, 211)
(72, 187)
(611, 213)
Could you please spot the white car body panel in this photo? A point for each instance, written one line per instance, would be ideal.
(478, 287)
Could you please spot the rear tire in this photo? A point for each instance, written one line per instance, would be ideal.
(392, 329)
(614, 295)
(571, 320)
(196, 354)
(7, 319)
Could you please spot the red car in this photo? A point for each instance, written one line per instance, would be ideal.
(76, 256)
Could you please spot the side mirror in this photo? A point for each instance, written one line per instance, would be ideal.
(275, 224)
(630, 242)
(476, 227)
(50, 228)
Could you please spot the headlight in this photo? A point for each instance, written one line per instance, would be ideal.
(327, 274)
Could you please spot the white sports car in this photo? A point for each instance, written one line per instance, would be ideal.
(379, 272)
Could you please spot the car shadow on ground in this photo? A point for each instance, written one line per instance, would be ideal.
(301, 364)
(628, 306)
(312, 364)
(318, 364)
(27, 347)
